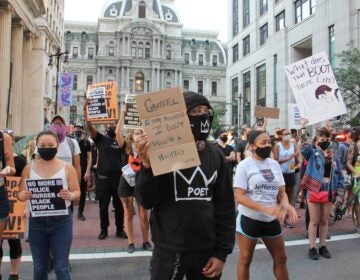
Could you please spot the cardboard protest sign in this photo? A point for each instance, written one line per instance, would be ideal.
(315, 88)
(15, 225)
(45, 199)
(110, 100)
(164, 119)
(294, 116)
(132, 118)
(266, 112)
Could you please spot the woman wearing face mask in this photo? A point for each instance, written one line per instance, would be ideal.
(260, 193)
(52, 233)
(286, 154)
(126, 189)
(322, 178)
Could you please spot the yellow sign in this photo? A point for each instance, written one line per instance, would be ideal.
(111, 103)
(15, 225)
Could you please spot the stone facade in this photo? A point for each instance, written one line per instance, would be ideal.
(143, 46)
(281, 32)
(30, 30)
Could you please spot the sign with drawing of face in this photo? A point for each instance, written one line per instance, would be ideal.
(315, 88)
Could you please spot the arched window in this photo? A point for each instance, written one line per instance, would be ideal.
(142, 9)
(139, 81)
(141, 50)
(168, 52)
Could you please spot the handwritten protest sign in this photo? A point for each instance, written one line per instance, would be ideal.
(294, 116)
(15, 225)
(45, 199)
(266, 112)
(132, 118)
(97, 103)
(110, 100)
(164, 119)
(315, 88)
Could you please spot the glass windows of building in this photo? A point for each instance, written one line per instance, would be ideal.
(263, 6)
(147, 50)
(246, 98)
(246, 45)
(187, 58)
(111, 51)
(200, 87)
(246, 13)
(168, 52)
(75, 52)
(332, 45)
(89, 80)
(235, 17)
(263, 34)
(139, 81)
(280, 21)
(142, 9)
(304, 9)
(186, 85)
(201, 59)
(214, 60)
(261, 85)
(75, 82)
(214, 88)
(276, 76)
(235, 53)
(90, 53)
(133, 49)
(140, 50)
(234, 97)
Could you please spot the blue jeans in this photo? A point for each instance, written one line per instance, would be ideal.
(51, 234)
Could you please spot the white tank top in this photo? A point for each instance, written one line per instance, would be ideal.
(61, 174)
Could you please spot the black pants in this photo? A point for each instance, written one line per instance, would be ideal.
(169, 265)
(106, 187)
(83, 189)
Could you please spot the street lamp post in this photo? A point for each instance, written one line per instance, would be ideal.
(57, 56)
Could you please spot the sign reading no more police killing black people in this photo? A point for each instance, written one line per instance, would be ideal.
(97, 103)
(164, 119)
(131, 118)
(45, 199)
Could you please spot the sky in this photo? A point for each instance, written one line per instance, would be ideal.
(194, 14)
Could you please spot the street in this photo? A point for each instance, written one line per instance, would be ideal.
(343, 265)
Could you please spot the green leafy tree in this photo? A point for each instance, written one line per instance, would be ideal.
(348, 78)
(219, 113)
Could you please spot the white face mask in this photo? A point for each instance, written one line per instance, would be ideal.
(287, 138)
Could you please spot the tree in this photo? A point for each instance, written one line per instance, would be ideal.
(348, 78)
(219, 113)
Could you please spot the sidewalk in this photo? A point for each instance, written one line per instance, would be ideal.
(85, 232)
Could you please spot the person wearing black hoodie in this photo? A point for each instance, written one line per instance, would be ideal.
(192, 210)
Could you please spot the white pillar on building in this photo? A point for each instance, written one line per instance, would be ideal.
(128, 77)
(5, 50)
(122, 77)
(194, 84)
(176, 78)
(25, 108)
(117, 77)
(17, 44)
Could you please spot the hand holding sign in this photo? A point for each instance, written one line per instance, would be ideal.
(142, 145)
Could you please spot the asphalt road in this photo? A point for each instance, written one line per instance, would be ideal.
(343, 265)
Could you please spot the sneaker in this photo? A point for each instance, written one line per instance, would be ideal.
(121, 234)
(13, 277)
(323, 251)
(131, 248)
(81, 217)
(313, 254)
(147, 246)
(103, 234)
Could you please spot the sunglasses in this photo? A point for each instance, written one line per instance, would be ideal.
(7, 131)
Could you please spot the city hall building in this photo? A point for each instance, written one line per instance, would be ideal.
(142, 45)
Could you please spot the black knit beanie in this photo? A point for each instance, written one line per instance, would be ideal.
(253, 135)
(193, 99)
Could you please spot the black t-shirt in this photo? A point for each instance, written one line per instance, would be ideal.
(85, 147)
(20, 163)
(110, 156)
(240, 148)
(226, 152)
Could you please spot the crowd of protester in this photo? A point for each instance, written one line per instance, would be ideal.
(253, 185)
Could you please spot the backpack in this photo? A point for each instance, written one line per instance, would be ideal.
(72, 147)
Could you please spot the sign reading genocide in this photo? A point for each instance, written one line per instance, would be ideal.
(315, 88)
(132, 118)
(266, 112)
(111, 102)
(164, 119)
(15, 225)
(45, 199)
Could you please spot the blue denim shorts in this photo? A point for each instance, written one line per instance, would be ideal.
(4, 204)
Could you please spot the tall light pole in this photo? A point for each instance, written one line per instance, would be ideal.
(57, 56)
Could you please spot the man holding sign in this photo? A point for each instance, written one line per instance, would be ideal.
(193, 211)
(50, 184)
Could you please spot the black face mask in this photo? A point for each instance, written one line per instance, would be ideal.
(111, 133)
(78, 134)
(47, 153)
(200, 126)
(263, 152)
(224, 138)
(324, 145)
